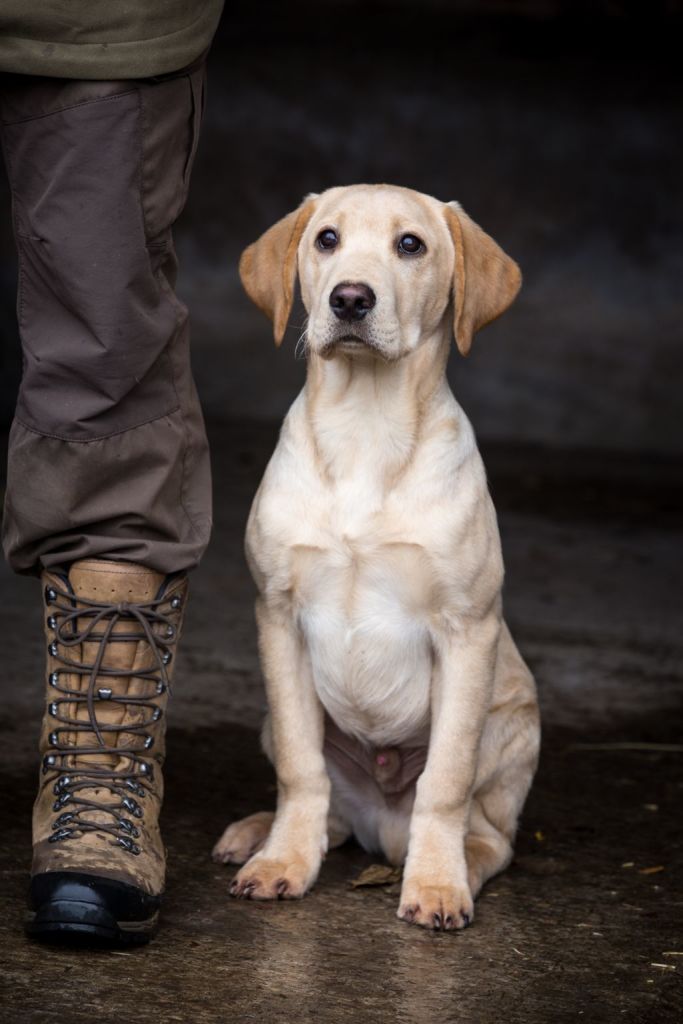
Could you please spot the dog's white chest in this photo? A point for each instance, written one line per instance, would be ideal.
(362, 603)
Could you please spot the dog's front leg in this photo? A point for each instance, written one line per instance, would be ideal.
(290, 860)
(435, 892)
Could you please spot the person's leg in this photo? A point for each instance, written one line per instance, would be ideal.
(107, 454)
(109, 490)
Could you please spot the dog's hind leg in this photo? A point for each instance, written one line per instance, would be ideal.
(338, 830)
(496, 805)
(487, 850)
(508, 757)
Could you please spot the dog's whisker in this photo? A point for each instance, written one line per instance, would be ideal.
(301, 346)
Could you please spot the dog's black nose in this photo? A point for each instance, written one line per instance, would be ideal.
(351, 301)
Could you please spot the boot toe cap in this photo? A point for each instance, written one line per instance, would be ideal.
(78, 908)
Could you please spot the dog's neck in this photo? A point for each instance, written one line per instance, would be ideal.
(367, 416)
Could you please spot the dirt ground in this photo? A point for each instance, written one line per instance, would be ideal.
(586, 924)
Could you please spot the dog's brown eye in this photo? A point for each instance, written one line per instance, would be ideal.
(327, 239)
(410, 245)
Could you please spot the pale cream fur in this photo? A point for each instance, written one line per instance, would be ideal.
(374, 545)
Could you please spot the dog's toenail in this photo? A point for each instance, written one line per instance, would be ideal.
(448, 923)
(281, 886)
(465, 920)
(437, 921)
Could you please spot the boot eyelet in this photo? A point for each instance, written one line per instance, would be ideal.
(49, 761)
(50, 595)
(54, 649)
(128, 827)
(59, 803)
(132, 806)
(128, 845)
(64, 833)
(60, 785)
(104, 693)
(149, 742)
(54, 679)
(63, 819)
(135, 787)
(52, 709)
(170, 631)
(176, 602)
(51, 622)
(53, 739)
(161, 688)
(156, 714)
(166, 658)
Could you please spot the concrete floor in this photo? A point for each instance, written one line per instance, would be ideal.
(586, 924)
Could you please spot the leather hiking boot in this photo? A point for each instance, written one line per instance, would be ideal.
(98, 859)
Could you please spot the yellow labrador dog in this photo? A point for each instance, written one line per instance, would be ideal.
(400, 710)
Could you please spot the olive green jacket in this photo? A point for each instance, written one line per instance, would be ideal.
(104, 39)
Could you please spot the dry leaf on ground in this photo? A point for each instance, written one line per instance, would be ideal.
(377, 874)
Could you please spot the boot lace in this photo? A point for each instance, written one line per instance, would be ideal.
(135, 777)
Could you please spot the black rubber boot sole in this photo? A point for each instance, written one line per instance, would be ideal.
(70, 908)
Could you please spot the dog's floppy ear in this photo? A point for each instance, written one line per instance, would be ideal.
(485, 280)
(267, 267)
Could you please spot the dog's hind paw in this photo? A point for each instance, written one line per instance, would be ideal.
(243, 838)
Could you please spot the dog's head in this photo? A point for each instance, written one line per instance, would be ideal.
(379, 266)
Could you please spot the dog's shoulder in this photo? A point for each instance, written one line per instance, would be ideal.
(289, 498)
(447, 468)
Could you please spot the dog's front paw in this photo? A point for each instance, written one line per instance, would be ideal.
(441, 907)
(264, 878)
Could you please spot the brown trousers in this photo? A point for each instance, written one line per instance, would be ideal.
(107, 454)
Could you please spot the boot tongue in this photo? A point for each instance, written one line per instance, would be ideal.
(113, 582)
(109, 582)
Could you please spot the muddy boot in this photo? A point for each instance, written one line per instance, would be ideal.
(98, 859)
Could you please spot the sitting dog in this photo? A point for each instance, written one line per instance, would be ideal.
(400, 710)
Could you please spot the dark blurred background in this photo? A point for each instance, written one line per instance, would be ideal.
(557, 125)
